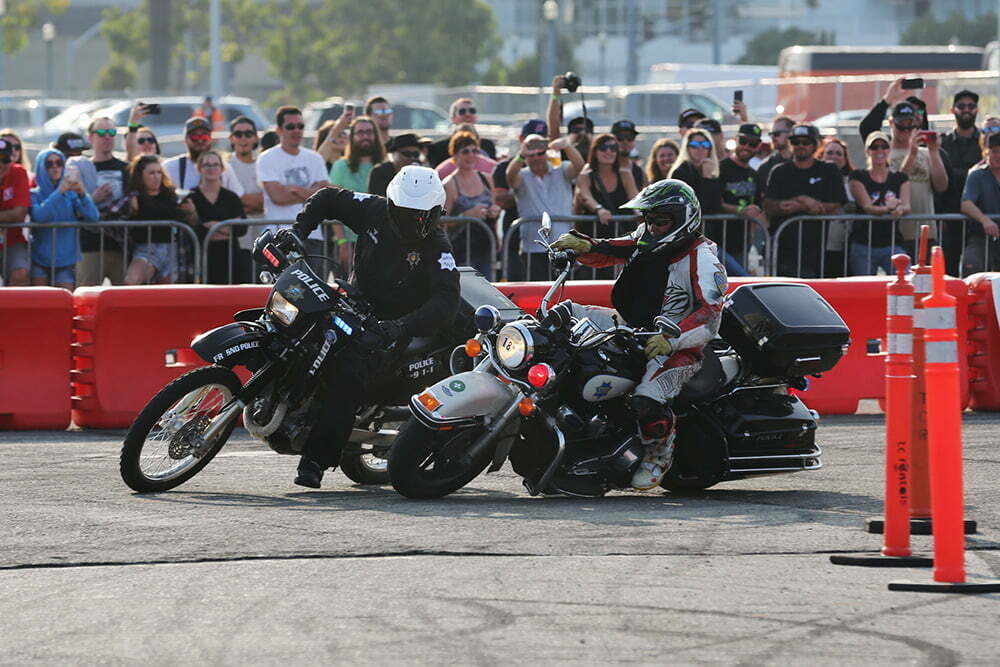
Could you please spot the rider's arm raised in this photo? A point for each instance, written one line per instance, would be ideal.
(356, 210)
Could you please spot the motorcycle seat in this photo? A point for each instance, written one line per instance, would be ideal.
(711, 380)
(420, 345)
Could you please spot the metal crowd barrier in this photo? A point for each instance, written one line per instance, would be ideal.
(183, 229)
(753, 244)
(805, 260)
(474, 244)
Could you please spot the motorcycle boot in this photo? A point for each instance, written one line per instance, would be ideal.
(656, 424)
(309, 473)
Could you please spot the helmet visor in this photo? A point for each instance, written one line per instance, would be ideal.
(665, 217)
(413, 223)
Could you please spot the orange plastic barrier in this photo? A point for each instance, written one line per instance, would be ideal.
(984, 341)
(131, 341)
(35, 357)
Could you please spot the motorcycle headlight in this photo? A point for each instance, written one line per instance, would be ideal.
(515, 346)
(282, 309)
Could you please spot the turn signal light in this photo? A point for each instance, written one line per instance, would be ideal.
(473, 348)
(539, 375)
(428, 401)
(526, 406)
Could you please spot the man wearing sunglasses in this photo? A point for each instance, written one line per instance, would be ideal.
(103, 177)
(183, 169)
(625, 132)
(741, 189)
(781, 150)
(804, 186)
(961, 148)
(405, 150)
(463, 112)
(378, 109)
(290, 174)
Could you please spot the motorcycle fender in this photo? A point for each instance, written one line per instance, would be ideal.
(463, 398)
(229, 345)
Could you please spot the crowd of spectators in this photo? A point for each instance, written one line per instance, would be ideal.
(758, 178)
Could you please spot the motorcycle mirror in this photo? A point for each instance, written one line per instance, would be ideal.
(266, 277)
(546, 229)
(668, 328)
(487, 317)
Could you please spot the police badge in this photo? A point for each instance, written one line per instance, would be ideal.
(413, 257)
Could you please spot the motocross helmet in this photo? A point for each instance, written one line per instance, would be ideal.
(671, 216)
(416, 199)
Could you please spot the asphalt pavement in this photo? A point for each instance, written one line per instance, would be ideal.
(239, 566)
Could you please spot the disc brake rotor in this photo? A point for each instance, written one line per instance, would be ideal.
(188, 440)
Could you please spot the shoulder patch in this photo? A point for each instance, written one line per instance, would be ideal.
(361, 196)
(447, 262)
(721, 281)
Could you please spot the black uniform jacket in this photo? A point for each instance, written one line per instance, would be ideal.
(415, 284)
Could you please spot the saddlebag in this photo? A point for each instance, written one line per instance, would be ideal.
(784, 329)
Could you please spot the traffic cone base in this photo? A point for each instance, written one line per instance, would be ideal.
(879, 560)
(967, 588)
(876, 526)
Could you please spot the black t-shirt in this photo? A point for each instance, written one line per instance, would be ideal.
(226, 207)
(767, 166)
(161, 207)
(379, 177)
(500, 181)
(115, 173)
(639, 175)
(881, 230)
(740, 185)
(707, 189)
(821, 181)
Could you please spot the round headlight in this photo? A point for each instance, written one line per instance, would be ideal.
(487, 317)
(282, 309)
(515, 346)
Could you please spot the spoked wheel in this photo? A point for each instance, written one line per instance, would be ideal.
(425, 463)
(166, 445)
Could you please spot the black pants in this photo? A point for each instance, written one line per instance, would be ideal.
(341, 396)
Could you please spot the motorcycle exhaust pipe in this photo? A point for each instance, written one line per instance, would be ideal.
(226, 416)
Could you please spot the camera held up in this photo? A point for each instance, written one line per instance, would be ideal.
(571, 81)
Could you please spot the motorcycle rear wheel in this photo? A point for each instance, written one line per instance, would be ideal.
(365, 468)
(162, 447)
(426, 463)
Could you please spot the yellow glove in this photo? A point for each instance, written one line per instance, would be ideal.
(658, 346)
(574, 243)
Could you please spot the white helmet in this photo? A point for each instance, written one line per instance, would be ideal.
(416, 200)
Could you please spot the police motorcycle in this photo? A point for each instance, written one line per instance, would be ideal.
(284, 346)
(552, 394)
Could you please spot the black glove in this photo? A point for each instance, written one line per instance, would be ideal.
(287, 239)
(381, 335)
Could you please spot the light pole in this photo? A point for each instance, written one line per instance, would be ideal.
(215, 46)
(550, 12)
(48, 36)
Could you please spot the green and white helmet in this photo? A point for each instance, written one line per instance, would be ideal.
(669, 204)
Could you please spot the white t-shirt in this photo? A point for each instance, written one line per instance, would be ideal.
(192, 178)
(303, 169)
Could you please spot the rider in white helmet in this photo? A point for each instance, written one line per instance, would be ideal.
(403, 265)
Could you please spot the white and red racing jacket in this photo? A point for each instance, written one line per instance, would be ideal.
(688, 287)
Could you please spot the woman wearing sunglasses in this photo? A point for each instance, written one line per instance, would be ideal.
(17, 150)
(604, 184)
(468, 194)
(58, 197)
(140, 140)
(881, 191)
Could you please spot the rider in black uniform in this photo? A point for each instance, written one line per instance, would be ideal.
(403, 265)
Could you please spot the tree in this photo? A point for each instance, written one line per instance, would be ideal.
(764, 48)
(22, 15)
(956, 28)
(243, 21)
(525, 71)
(117, 74)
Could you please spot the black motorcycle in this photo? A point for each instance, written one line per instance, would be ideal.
(285, 346)
(553, 393)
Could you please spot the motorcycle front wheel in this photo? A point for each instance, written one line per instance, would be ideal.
(164, 446)
(426, 463)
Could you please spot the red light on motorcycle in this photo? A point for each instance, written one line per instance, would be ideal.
(271, 258)
(539, 375)
(526, 406)
(473, 348)
(428, 401)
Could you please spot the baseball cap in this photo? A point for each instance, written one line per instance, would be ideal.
(710, 124)
(750, 130)
(623, 126)
(904, 110)
(535, 126)
(965, 93)
(689, 115)
(803, 130)
(581, 119)
(71, 142)
(878, 135)
(196, 124)
(408, 140)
